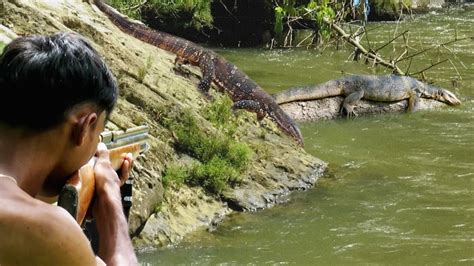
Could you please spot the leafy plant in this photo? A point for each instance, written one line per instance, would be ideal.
(280, 14)
(323, 11)
(198, 11)
(292, 11)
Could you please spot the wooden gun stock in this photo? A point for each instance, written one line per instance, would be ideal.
(76, 196)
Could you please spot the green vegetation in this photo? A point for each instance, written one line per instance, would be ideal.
(131, 8)
(220, 158)
(142, 71)
(220, 114)
(290, 10)
(199, 9)
(2, 45)
(187, 13)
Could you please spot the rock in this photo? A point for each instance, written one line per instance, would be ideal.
(329, 108)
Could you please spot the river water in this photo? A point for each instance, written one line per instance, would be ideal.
(400, 187)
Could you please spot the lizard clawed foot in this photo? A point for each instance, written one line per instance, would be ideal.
(349, 111)
(352, 115)
(179, 68)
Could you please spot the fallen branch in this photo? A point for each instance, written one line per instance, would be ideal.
(392, 64)
(424, 69)
(369, 54)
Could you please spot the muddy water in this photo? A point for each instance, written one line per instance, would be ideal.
(400, 189)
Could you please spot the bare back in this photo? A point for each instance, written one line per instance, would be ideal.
(36, 233)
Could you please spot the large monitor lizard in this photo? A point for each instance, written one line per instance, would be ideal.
(245, 93)
(387, 88)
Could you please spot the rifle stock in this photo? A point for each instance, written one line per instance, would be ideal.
(77, 195)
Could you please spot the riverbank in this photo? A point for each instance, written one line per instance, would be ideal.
(154, 93)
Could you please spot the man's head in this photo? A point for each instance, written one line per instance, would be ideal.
(42, 78)
(58, 91)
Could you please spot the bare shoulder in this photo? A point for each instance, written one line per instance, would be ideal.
(36, 233)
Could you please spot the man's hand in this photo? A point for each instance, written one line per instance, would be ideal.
(105, 176)
(115, 246)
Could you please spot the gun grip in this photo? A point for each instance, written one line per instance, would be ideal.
(69, 199)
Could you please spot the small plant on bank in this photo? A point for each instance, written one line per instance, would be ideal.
(143, 71)
(174, 174)
(220, 114)
(221, 158)
(214, 176)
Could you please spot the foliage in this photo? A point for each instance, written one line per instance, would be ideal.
(323, 11)
(174, 174)
(315, 11)
(221, 158)
(280, 14)
(220, 114)
(198, 11)
(2, 45)
(130, 8)
(214, 176)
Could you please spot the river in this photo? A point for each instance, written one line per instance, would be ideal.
(400, 187)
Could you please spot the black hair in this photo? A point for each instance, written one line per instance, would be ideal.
(43, 77)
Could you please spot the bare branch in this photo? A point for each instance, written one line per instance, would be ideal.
(432, 65)
(368, 54)
(392, 40)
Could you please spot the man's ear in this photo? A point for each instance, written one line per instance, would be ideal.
(84, 126)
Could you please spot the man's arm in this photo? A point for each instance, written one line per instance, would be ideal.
(115, 246)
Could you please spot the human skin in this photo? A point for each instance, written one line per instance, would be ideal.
(33, 232)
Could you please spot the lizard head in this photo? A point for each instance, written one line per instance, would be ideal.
(447, 97)
(437, 93)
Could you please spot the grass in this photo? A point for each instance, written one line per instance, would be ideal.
(220, 114)
(190, 13)
(143, 71)
(220, 159)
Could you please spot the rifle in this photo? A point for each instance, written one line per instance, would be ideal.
(77, 194)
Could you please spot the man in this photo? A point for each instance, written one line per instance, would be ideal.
(56, 94)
